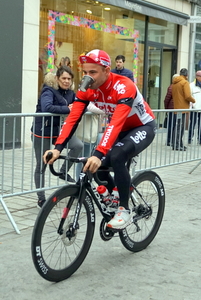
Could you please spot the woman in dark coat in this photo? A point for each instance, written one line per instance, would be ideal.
(57, 98)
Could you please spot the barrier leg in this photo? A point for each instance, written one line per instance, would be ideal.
(195, 167)
(9, 215)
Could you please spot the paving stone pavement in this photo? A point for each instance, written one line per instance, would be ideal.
(169, 269)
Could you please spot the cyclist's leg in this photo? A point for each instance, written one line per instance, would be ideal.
(130, 144)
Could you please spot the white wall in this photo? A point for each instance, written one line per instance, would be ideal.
(183, 48)
(30, 60)
(179, 5)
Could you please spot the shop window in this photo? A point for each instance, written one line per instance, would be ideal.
(162, 31)
(80, 34)
(197, 58)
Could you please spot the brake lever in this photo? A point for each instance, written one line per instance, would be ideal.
(98, 181)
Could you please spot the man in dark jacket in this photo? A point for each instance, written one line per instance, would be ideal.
(120, 60)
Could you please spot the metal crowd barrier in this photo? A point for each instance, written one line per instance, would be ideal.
(17, 158)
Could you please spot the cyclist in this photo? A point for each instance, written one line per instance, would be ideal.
(131, 126)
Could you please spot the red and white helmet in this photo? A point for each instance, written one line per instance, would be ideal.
(96, 56)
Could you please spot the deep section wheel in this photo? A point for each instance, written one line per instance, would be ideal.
(147, 202)
(58, 247)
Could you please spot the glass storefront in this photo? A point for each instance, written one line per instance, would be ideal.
(70, 28)
(197, 55)
(162, 31)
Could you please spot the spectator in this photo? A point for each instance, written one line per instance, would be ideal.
(120, 60)
(88, 147)
(195, 116)
(56, 97)
(168, 103)
(61, 62)
(67, 62)
(181, 95)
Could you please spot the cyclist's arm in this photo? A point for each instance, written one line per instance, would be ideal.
(55, 155)
(67, 130)
(93, 163)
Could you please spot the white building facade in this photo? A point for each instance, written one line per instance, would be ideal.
(155, 36)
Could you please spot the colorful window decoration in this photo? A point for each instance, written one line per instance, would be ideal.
(54, 17)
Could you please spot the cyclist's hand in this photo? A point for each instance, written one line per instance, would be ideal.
(55, 155)
(70, 106)
(93, 163)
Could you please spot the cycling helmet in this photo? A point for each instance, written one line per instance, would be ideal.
(96, 56)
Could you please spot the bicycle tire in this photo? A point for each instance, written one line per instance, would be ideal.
(55, 256)
(150, 186)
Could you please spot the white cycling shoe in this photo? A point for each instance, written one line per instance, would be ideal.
(121, 219)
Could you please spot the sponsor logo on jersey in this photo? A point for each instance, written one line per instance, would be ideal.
(108, 108)
(119, 144)
(139, 136)
(107, 135)
(119, 87)
(109, 98)
(140, 108)
(125, 100)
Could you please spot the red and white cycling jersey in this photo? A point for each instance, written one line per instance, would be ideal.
(119, 98)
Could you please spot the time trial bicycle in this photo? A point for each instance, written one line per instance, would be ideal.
(64, 228)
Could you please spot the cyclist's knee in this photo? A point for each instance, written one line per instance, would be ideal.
(118, 155)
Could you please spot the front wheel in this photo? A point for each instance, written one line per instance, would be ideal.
(58, 246)
(147, 203)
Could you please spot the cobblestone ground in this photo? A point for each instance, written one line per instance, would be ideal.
(169, 269)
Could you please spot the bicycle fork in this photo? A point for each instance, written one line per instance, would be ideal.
(70, 233)
(65, 215)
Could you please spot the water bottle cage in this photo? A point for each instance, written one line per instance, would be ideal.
(106, 200)
(110, 201)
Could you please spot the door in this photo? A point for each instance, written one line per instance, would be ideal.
(154, 78)
(159, 70)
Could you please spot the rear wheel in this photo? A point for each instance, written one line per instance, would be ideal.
(57, 249)
(147, 202)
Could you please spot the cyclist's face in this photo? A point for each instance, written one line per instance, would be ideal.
(98, 73)
(64, 81)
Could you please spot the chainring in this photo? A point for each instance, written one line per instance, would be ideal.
(105, 233)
